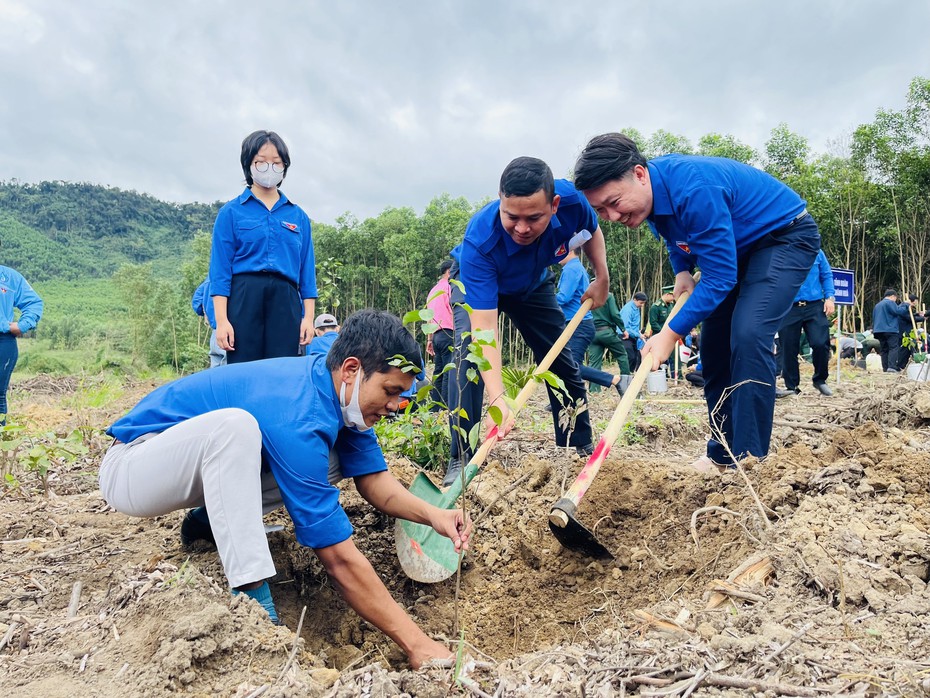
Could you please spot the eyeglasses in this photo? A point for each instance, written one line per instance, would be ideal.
(263, 166)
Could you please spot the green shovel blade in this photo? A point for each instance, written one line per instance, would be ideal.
(427, 556)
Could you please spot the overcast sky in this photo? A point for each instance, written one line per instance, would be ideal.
(392, 103)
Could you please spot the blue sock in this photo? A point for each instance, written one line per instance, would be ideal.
(263, 595)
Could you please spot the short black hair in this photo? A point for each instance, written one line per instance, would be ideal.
(605, 158)
(912, 297)
(445, 266)
(253, 143)
(890, 292)
(640, 296)
(374, 337)
(525, 176)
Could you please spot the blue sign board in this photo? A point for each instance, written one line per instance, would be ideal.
(844, 283)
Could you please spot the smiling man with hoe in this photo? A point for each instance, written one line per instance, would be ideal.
(503, 264)
(754, 242)
(247, 438)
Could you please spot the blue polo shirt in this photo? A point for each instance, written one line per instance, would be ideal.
(202, 303)
(572, 285)
(819, 282)
(492, 264)
(247, 237)
(322, 344)
(632, 318)
(15, 292)
(710, 212)
(297, 409)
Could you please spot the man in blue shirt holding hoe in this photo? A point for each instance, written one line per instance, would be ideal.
(502, 265)
(754, 242)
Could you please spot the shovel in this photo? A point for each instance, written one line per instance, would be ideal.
(428, 556)
(562, 522)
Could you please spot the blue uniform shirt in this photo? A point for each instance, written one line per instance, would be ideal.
(886, 315)
(492, 264)
(247, 237)
(202, 303)
(15, 292)
(710, 212)
(572, 285)
(297, 409)
(819, 282)
(322, 344)
(632, 318)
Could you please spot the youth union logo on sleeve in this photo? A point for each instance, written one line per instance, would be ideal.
(561, 251)
(683, 246)
(289, 226)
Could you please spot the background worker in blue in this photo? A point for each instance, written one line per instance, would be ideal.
(886, 317)
(810, 311)
(325, 330)
(15, 292)
(503, 264)
(203, 439)
(202, 304)
(573, 283)
(632, 315)
(754, 242)
(262, 274)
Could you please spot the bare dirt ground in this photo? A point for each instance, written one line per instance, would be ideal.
(805, 574)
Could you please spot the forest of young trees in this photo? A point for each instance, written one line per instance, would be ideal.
(870, 195)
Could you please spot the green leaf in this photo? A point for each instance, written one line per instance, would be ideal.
(427, 314)
(484, 336)
(553, 380)
(473, 436)
(472, 375)
(411, 316)
(496, 414)
(459, 285)
(429, 328)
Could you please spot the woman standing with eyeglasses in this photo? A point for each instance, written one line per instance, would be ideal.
(262, 275)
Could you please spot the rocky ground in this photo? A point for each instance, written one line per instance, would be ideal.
(804, 574)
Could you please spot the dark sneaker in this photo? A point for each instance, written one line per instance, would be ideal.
(824, 389)
(196, 527)
(785, 392)
(585, 451)
(453, 472)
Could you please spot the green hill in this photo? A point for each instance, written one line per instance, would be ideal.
(59, 230)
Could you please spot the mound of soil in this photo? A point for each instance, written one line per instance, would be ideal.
(803, 573)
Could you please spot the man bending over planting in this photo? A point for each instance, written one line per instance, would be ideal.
(244, 439)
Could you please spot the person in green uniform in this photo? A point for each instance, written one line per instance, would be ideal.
(608, 336)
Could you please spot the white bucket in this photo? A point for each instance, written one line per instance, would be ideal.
(656, 381)
(918, 372)
(873, 363)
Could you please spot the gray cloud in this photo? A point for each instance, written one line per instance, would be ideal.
(390, 104)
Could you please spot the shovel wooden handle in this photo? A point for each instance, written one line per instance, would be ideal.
(471, 469)
(566, 506)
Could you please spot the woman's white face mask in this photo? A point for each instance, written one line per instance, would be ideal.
(269, 178)
(352, 412)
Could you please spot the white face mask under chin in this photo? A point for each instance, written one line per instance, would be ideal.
(352, 412)
(268, 179)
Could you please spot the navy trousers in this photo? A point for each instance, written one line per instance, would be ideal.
(265, 313)
(578, 346)
(540, 321)
(737, 340)
(9, 355)
(811, 318)
(442, 350)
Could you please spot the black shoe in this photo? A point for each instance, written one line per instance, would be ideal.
(196, 527)
(548, 408)
(585, 451)
(453, 472)
(824, 389)
(892, 370)
(785, 392)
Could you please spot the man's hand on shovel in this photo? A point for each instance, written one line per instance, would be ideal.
(452, 524)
